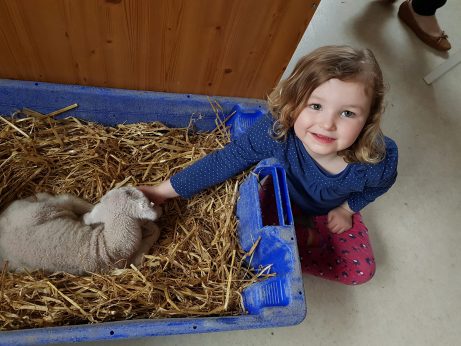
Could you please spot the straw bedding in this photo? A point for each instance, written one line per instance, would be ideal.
(196, 268)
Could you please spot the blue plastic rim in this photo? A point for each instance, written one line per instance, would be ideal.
(242, 117)
(278, 301)
(113, 106)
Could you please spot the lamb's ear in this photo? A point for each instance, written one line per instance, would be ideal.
(149, 213)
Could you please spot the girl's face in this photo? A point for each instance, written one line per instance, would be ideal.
(335, 114)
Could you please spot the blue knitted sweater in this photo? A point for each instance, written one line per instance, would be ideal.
(311, 188)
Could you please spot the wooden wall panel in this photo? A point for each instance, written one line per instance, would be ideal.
(215, 47)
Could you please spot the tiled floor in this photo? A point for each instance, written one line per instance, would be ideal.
(415, 297)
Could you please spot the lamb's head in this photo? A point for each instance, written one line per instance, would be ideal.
(127, 201)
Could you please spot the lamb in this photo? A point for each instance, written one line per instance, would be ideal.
(66, 233)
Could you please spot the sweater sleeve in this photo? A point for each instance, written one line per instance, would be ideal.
(249, 148)
(380, 178)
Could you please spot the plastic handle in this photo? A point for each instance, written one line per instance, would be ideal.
(282, 199)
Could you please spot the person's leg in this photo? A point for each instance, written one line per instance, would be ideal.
(346, 257)
(419, 15)
(424, 13)
(427, 7)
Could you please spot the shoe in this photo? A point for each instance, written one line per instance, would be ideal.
(437, 42)
(309, 232)
(308, 239)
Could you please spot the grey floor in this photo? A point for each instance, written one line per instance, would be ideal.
(415, 297)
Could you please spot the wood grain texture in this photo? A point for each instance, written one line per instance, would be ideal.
(214, 47)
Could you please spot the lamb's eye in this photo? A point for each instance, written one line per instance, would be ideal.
(129, 193)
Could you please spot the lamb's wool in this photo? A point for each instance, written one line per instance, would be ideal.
(66, 233)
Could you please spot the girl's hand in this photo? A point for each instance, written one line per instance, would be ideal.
(340, 220)
(159, 193)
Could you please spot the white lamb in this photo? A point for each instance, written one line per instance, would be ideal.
(66, 233)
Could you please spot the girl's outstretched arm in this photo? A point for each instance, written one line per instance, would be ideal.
(159, 193)
(249, 148)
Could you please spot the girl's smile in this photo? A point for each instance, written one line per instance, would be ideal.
(333, 118)
(322, 139)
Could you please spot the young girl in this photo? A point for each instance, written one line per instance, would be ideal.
(324, 129)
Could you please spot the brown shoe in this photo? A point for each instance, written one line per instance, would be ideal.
(437, 42)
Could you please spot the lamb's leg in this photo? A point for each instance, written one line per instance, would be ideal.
(151, 233)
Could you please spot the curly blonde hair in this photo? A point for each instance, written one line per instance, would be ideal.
(345, 63)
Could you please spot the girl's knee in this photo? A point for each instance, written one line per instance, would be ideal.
(361, 272)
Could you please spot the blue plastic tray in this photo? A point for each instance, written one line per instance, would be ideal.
(278, 301)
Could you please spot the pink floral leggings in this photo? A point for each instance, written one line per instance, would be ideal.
(346, 257)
